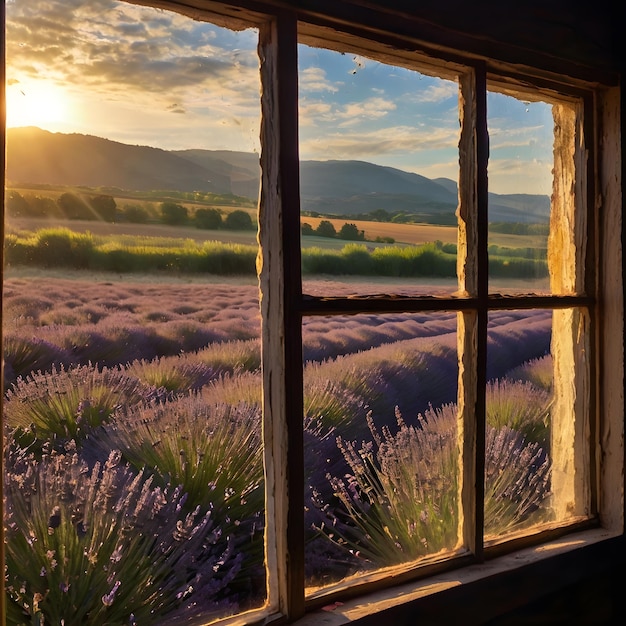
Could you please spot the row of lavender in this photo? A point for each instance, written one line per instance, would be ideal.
(134, 483)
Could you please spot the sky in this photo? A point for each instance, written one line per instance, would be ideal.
(145, 76)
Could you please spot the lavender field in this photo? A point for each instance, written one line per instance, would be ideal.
(134, 483)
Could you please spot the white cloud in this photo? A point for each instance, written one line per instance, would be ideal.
(440, 92)
(312, 79)
(368, 109)
(374, 143)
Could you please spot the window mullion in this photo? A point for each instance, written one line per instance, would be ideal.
(472, 268)
(482, 209)
(281, 294)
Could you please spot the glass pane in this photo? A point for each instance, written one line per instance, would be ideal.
(134, 474)
(380, 442)
(521, 139)
(519, 401)
(378, 172)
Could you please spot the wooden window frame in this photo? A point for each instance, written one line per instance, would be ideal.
(598, 290)
(576, 296)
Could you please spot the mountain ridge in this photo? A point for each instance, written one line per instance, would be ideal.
(341, 187)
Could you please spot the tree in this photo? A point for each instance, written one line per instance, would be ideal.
(135, 214)
(174, 214)
(73, 207)
(210, 219)
(16, 204)
(105, 207)
(380, 215)
(306, 229)
(43, 206)
(238, 220)
(351, 233)
(325, 229)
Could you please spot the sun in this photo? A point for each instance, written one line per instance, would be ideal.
(37, 103)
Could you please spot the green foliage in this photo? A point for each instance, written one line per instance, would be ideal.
(539, 372)
(238, 220)
(135, 214)
(351, 233)
(104, 207)
(212, 451)
(399, 500)
(62, 247)
(357, 259)
(59, 247)
(102, 546)
(306, 230)
(400, 497)
(23, 355)
(16, 205)
(518, 268)
(520, 406)
(67, 404)
(517, 228)
(174, 214)
(325, 229)
(210, 219)
(424, 260)
(73, 207)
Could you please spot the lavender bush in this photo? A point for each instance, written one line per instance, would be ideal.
(68, 404)
(105, 546)
(398, 502)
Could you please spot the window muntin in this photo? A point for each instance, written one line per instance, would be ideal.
(469, 323)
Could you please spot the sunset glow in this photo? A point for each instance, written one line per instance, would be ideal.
(38, 103)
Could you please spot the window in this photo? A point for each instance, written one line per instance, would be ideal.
(431, 384)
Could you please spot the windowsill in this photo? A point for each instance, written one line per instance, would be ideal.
(478, 593)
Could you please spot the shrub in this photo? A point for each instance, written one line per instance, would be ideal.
(135, 213)
(68, 404)
(306, 230)
(325, 229)
(174, 214)
(74, 207)
(23, 355)
(517, 482)
(104, 207)
(16, 205)
(399, 500)
(519, 406)
(210, 219)
(56, 247)
(177, 374)
(351, 233)
(357, 259)
(213, 451)
(238, 220)
(104, 546)
(43, 206)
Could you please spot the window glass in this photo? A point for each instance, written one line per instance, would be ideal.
(521, 141)
(519, 398)
(134, 487)
(378, 172)
(381, 466)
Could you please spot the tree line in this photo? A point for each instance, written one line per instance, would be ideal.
(103, 207)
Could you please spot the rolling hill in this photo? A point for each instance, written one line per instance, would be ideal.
(335, 187)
